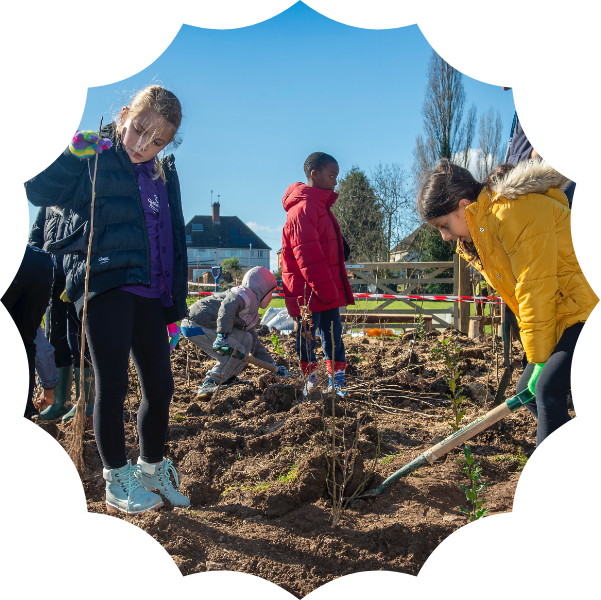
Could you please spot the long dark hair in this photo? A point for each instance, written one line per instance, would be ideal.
(445, 187)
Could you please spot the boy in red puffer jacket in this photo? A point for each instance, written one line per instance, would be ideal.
(313, 271)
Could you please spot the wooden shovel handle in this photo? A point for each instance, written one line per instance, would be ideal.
(491, 417)
(255, 361)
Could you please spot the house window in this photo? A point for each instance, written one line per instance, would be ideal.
(188, 239)
(196, 226)
(202, 253)
(232, 253)
(256, 254)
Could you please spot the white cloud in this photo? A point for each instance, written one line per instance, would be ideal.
(474, 156)
(256, 227)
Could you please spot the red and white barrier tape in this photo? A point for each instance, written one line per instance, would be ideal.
(213, 285)
(477, 299)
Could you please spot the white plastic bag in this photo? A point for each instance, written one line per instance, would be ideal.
(278, 318)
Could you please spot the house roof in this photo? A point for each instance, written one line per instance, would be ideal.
(405, 244)
(230, 232)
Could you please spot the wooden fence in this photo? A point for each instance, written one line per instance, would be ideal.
(366, 273)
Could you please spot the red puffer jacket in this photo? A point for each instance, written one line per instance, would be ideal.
(312, 252)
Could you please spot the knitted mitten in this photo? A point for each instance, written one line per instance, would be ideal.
(87, 143)
(174, 330)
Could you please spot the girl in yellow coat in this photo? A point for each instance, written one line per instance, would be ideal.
(515, 229)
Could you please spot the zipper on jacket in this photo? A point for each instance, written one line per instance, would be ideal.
(137, 185)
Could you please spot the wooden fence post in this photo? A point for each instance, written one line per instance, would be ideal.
(456, 290)
(464, 290)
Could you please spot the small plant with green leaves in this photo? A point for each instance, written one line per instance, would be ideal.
(420, 328)
(179, 418)
(450, 353)
(275, 340)
(456, 398)
(473, 471)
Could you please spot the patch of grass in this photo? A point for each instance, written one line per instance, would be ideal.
(290, 476)
(245, 488)
(370, 305)
(520, 458)
(390, 457)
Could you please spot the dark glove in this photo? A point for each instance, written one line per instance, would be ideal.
(220, 344)
(282, 371)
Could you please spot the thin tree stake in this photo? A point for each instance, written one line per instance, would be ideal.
(77, 429)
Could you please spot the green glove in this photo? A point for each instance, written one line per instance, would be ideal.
(538, 367)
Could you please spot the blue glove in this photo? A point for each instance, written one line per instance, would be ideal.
(538, 367)
(282, 371)
(220, 343)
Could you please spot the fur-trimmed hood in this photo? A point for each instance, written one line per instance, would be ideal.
(528, 177)
(520, 228)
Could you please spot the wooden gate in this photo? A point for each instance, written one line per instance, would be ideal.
(367, 273)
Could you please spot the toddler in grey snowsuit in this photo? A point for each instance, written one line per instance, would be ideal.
(228, 319)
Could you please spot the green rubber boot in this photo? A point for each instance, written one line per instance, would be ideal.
(62, 396)
(88, 375)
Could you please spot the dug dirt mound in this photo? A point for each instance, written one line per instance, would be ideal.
(259, 460)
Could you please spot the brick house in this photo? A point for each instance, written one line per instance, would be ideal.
(212, 238)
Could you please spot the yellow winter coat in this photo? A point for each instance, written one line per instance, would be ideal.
(520, 226)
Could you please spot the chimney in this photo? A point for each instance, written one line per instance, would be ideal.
(216, 213)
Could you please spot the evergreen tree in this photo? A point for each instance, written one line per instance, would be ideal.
(360, 218)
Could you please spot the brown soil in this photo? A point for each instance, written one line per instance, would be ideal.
(256, 473)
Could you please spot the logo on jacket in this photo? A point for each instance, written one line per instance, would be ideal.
(103, 259)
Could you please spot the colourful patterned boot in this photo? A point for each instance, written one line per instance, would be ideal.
(309, 375)
(338, 380)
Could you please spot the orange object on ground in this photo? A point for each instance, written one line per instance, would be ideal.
(377, 332)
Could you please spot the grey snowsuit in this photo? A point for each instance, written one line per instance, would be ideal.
(235, 312)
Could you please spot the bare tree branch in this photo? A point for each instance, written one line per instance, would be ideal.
(490, 131)
(391, 185)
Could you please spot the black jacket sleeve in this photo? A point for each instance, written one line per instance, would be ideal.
(36, 236)
(55, 185)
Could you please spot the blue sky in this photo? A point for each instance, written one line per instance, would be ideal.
(258, 100)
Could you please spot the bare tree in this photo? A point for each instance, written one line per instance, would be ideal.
(391, 185)
(446, 133)
(489, 130)
(467, 133)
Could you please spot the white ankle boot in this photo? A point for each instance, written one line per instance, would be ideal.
(126, 493)
(158, 477)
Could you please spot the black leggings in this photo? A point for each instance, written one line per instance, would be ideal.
(550, 406)
(118, 322)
